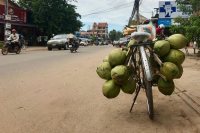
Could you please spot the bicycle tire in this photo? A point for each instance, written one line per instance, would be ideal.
(147, 86)
(149, 95)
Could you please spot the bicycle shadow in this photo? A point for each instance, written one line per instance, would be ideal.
(169, 116)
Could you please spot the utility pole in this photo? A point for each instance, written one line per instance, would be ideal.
(6, 24)
(135, 11)
(6, 7)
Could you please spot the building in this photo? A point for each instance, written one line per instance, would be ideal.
(98, 29)
(18, 21)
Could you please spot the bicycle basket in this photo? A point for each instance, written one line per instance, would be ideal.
(149, 28)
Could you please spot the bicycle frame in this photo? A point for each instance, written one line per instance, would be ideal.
(145, 63)
(143, 73)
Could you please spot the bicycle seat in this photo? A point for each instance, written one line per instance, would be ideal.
(140, 36)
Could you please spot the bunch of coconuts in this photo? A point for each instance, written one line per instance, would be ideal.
(172, 57)
(116, 73)
(119, 76)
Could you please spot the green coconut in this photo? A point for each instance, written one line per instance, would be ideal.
(110, 89)
(124, 51)
(132, 42)
(169, 70)
(175, 56)
(166, 87)
(129, 86)
(116, 57)
(105, 59)
(177, 41)
(104, 70)
(120, 74)
(180, 68)
(162, 47)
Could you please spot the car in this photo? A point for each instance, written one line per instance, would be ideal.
(83, 43)
(105, 42)
(58, 41)
(115, 43)
(122, 40)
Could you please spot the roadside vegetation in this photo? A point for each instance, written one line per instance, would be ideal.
(52, 17)
(190, 27)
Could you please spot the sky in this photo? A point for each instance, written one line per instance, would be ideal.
(117, 12)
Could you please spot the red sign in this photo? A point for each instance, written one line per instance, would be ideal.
(17, 15)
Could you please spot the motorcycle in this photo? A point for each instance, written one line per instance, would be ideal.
(73, 43)
(73, 46)
(10, 48)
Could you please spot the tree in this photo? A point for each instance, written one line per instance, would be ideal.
(190, 27)
(53, 16)
(194, 3)
(115, 35)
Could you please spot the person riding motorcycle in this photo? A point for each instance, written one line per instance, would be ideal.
(14, 38)
(73, 42)
(160, 31)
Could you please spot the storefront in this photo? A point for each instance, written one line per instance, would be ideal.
(18, 21)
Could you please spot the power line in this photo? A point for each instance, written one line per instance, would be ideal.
(119, 4)
(110, 9)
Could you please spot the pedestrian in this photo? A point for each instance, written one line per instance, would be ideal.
(194, 46)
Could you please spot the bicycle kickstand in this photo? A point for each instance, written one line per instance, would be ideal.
(136, 94)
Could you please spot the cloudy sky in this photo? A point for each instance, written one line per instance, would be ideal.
(115, 12)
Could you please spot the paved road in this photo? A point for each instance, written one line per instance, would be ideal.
(60, 92)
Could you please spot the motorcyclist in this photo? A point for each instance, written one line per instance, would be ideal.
(73, 42)
(160, 31)
(14, 37)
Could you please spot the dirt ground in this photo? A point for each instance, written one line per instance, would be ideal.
(67, 98)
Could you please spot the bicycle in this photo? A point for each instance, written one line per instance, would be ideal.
(138, 58)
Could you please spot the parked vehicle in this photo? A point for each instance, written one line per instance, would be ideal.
(122, 42)
(11, 48)
(84, 42)
(105, 42)
(58, 41)
(115, 43)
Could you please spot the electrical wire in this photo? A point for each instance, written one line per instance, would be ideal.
(118, 4)
(109, 9)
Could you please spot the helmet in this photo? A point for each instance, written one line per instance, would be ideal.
(13, 30)
(162, 26)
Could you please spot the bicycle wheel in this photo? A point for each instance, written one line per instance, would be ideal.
(146, 75)
(148, 90)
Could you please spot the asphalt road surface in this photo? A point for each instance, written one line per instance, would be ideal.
(60, 92)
